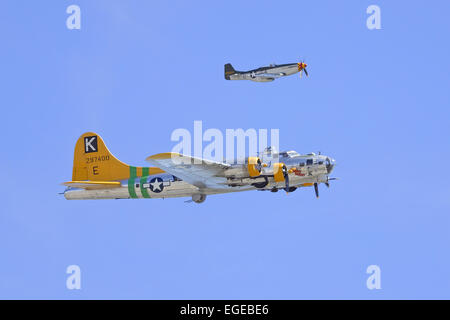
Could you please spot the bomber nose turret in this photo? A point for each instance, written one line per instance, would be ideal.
(330, 164)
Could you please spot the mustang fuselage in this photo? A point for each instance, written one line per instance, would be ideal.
(263, 74)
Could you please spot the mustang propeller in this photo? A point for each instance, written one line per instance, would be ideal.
(302, 67)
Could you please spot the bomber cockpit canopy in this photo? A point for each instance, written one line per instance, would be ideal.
(289, 154)
(269, 151)
(272, 152)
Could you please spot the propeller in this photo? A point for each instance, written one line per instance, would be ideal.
(286, 179)
(259, 165)
(301, 66)
(316, 189)
(328, 183)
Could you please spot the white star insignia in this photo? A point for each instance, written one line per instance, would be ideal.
(156, 185)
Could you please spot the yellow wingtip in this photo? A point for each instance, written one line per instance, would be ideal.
(165, 155)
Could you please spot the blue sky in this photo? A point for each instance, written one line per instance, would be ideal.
(377, 101)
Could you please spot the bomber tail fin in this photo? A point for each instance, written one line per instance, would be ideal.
(229, 70)
(93, 161)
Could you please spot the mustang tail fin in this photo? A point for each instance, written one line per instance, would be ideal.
(93, 161)
(229, 70)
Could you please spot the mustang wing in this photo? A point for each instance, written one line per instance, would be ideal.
(270, 75)
(198, 172)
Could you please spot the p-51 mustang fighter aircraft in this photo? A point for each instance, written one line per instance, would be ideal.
(265, 74)
(97, 174)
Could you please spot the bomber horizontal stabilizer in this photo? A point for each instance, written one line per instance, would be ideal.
(92, 185)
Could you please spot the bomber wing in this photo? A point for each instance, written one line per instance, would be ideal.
(198, 172)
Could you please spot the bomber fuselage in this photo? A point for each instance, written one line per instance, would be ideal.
(305, 170)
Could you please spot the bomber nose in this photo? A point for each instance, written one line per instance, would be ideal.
(330, 164)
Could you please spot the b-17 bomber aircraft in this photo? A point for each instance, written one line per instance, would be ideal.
(97, 174)
(265, 74)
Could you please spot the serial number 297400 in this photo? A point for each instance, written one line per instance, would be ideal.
(97, 159)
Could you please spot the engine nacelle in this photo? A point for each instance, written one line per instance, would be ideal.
(254, 166)
(251, 168)
(279, 171)
(198, 198)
